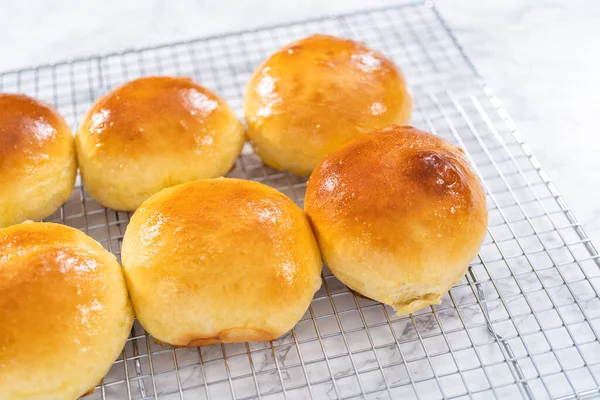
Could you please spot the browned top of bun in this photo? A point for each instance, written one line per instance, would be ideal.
(31, 134)
(150, 115)
(200, 225)
(63, 305)
(323, 91)
(400, 187)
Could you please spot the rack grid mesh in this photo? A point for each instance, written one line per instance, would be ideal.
(523, 323)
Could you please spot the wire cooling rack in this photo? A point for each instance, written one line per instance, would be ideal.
(524, 321)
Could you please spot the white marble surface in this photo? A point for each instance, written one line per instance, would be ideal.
(540, 57)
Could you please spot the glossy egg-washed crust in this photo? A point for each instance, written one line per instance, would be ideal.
(37, 159)
(221, 260)
(398, 215)
(317, 94)
(64, 312)
(153, 133)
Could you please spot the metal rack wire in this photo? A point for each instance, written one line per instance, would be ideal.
(523, 323)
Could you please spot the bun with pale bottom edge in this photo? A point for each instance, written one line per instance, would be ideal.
(399, 214)
(220, 261)
(37, 159)
(64, 312)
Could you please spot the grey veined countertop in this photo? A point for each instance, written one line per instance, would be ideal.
(540, 57)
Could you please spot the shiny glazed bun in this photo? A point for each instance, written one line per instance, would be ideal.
(220, 260)
(153, 133)
(37, 159)
(317, 94)
(64, 312)
(398, 214)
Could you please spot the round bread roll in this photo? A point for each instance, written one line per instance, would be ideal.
(399, 214)
(153, 133)
(220, 261)
(37, 159)
(64, 312)
(317, 94)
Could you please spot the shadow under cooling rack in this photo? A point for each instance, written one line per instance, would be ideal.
(523, 323)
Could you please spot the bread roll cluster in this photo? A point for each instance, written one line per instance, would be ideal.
(396, 213)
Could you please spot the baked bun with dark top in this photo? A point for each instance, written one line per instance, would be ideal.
(399, 214)
(153, 133)
(316, 95)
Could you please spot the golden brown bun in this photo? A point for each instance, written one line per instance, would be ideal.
(64, 312)
(37, 159)
(398, 215)
(317, 94)
(153, 133)
(220, 260)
